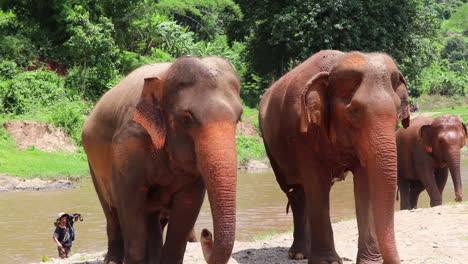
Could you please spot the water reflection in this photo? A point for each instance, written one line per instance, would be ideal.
(26, 218)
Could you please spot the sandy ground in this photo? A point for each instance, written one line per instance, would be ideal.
(436, 235)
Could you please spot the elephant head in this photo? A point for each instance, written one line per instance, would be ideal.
(191, 113)
(443, 139)
(357, 105)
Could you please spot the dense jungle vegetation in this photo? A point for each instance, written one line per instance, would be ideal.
(57, 57)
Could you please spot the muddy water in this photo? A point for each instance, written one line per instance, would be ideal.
(26, 218)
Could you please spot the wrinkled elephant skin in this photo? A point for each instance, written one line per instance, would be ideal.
(427, 151)
(336, 112)
(154, 143)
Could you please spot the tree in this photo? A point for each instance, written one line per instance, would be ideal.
(93, 50)
(281, 34)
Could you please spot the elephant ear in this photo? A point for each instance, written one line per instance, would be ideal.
(148, 111)
(314, 103)
(466, 133)
(425, 136)
(402, 92)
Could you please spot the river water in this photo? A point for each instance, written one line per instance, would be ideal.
(26, 218)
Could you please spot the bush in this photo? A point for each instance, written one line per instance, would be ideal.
(456, 49)
(8, 69)
(71, 117)
(29, 90)
(441, 78)
(131, 60)
(249, 148)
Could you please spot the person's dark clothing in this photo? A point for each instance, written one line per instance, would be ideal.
(65, 235)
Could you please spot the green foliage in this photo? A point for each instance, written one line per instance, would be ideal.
(131, 60)
(29, 90)
(439, 78)
(458, 21)
(71, 117)
(250, 115)
(219, 46)
(253, 87)
(456, 49)
(282, 34)
(45, 259)
(8, 69)
(93, 50)
(207, 18)
(249, 148)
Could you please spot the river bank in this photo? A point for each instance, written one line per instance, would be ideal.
(431, 236)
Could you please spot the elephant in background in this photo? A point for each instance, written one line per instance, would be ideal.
(336, 112)
(427, 150)
(154, 143)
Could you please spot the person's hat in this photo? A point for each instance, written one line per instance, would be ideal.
(61, 214)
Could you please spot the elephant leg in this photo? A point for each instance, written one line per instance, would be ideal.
(128, 180)
(416, 188)
(154, 237)
(426, 175)
(317, 184)
(185, 208)
(404, 188)
(296, 199)
(115, 242)
(300, 245)
(441, 175)
(368, 247)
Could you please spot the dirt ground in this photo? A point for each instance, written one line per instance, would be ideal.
(436, 235)
(40, 135)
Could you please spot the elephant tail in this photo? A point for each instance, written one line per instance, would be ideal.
(287, 207)
(397, 191)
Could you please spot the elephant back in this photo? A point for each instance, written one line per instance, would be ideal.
(118, 104)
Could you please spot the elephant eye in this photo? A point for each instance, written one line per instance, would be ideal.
(187, 119)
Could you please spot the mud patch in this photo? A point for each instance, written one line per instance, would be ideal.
(40, 135)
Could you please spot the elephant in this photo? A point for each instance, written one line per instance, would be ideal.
(427, 150)
(154, 142)
(334, 113)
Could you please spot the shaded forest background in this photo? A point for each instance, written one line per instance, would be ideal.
(57, 57)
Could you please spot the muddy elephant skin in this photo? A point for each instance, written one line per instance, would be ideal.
(337, 112)
(154, 143)
(427, 151)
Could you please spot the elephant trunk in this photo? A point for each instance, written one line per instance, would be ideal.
(217, 162)
(382, 172)
(454, 167)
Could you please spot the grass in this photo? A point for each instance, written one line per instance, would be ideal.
(458, 21)
(249, 148)
(456, 105)
(250, 115)
(265, 236)
(32, 163)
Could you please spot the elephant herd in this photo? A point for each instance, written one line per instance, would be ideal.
(166, 133)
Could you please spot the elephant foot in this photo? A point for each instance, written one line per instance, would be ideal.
(297, 251)
(113, 260)
(332, 258)
(296, 255)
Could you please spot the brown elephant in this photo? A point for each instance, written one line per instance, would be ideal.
(427, 150)
(336, 112)
(154, 142)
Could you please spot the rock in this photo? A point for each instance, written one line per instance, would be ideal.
(254, 165)
(10, 183)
